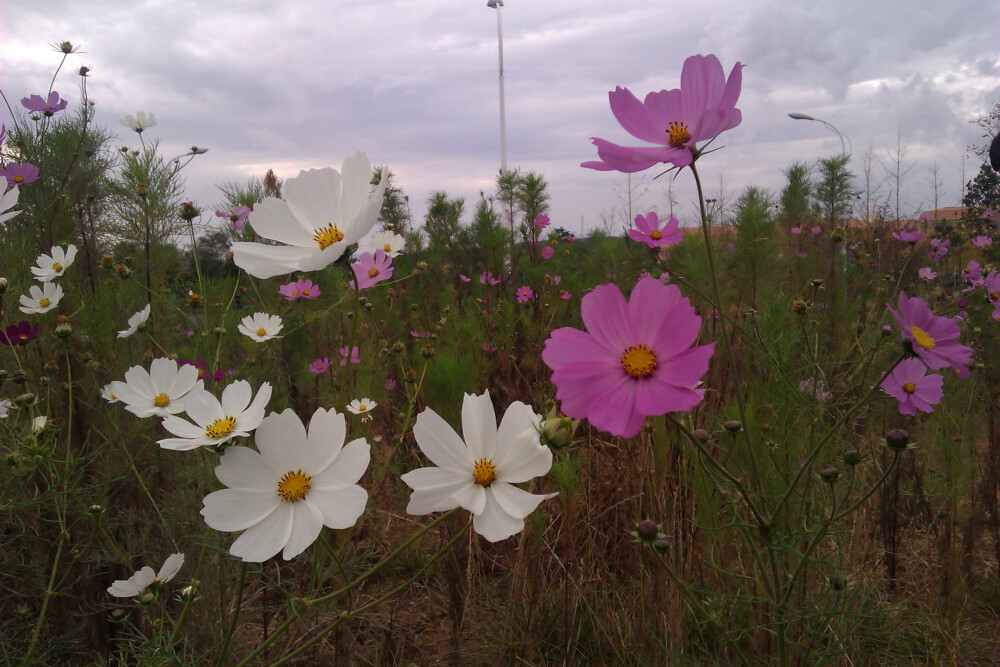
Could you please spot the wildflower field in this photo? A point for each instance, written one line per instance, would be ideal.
(293, 427)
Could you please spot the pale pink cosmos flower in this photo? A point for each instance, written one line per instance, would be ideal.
(795, 230)
(934, 339)
(47, 105)
(648, 230)
(237, 217)
(303, 288)
(635, 359)
(319, 366)
(992, 283)
(524, 293)
(371, 269)
(926, 273)
(982, 241)
(673, 120)
(19, 173)
(464, 278)
(547, 252)
(815, 229)
(487, 277)
(926, 215)
(355, 357)
(910, 236)
(915, 390)
(541, 221)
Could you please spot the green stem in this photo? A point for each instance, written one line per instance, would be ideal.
(240, 581)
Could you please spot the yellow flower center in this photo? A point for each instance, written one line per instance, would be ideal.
(387, 247)
(922, 338)
(362, 407)
(372, 272)
(160, 400)
(56, 266)
(677, 134)
(327, 236)
(261, 331)
(18, 178)
(638, 361)
(655, 234)
(484, 472)
(294, 485)
(305, 291)
(221, 427)
(909, 387)
(995, 295)
(22, 336)
(43, 302)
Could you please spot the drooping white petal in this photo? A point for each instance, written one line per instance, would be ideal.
(494, 524)
(260, 542)
(307, 522)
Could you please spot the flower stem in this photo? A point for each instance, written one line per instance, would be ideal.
(240, 581)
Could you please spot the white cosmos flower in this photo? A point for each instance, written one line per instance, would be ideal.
(39, 424)
(324, 211)
(51, 266)
(41, 300)
(7, 202)
(217, 421)
(260, 326)
(146, 577)
(4, 407)
(361, 406)
(135, 322)
(283, 495)
(388, 242)
(162, 391)
(479, 474)
(139, 122)
(108, 394)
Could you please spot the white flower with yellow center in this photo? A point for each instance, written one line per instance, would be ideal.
(283, 495)
(479, 474)
(51, 266)
(146, 577)
(215, 421)
(7, 202)
(324, 212)
(41, 300)
(260, 326)
(135, 322)
(361, 406)
(162, 391)
(108, 394)
(388, 242)
(139, 122)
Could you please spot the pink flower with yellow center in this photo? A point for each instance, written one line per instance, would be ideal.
(934, 339)
(915, 390)
(371, 269)
(648, 230)
(635, 358)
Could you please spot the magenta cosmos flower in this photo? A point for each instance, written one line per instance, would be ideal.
(523, 293)
(19, 334)
(648, 230)
(910, 236)
(303, 288)
(634, 360)
(915, 390)
(355, 355)
(992, 283)
(934, 339)
(982, 241)
(19, 173)
(675, 120)
(371, 269)
(319, 366)
(541, 221)
(237, 217)
(547, 252)
(47, 105)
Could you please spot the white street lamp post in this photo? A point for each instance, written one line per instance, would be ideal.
(497, 4)
(829, 126)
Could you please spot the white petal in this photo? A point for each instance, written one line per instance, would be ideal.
(170, 567)
(479, 425)
(243, 468)
(236, 397)
(341, 508)
(314, 197)
(346, 469)
(439, 442)
(307, 522)
(327, 430)
(267, 538)
(356, 176)
(238, 509)
(494, 524)
(266, 261)
(281, 439)
(517, 502)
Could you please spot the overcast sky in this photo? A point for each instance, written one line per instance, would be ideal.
(413, 83)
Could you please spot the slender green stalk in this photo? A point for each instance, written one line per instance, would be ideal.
(240, 581)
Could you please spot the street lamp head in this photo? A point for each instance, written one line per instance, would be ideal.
(493, 4)
(800, 116)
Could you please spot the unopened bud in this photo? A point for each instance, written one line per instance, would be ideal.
(733, 425)
(851, 457)
(829, 474)
(837, 581)
(557, 432)
(897, 439)
(24, 400)
(189, 211)
(427, 351)
(3, 285)
(701, 435)
(107, 261)
(647, 530)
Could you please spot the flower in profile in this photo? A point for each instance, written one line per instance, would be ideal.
(19, 334)
(51, 266)
(135, 322)
(635, 359)
(147, 578)
(925, 273)
(237, 216)
(139, 122)
(260, 326)
(564, 295)
(388, 242)
(479, 474)
(523, 293)
(319, 366)
(19, 173)
(215, 421)
(541, 221)
(915, 390)
(910, 236)
(926, 215)
(648, 230)
(486, 277)
(4, 407)
(795, 230)
(547, 252)
(371, 269)
(464, 278)
(354, 353)
(934, 339)
(44, 105)
(282, 495)
(323, 213)
(159, 392)
(41, 300)
(673, 120)
(7, 202)
(108, 394)
(361, 406)
(982, 241)
(987, 214)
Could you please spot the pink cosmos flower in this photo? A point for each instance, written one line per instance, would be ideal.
(815, 229)
(523, 293)
(926, 215)
(934, 339)
(355, 357)
(915, 390)
(972, 270)
(634, 360)
(19, 173)
(982, 241)
(237, 217)
(47, 106)
(487, 277)
(464, 278)
(987, 214)
(547, 252)
(673, 120)
(565, 295)
(925, 273)
(795, 230)
(992, 284)
(303, 288)
(648, 230)
(371, 269)
(815, 387)
(390, 384)
(420, 334)
(541, 221)
(910, 236)
(319, 366)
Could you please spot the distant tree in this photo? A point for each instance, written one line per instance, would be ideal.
(981, 193)
(532, 199)
(833, 194)
(395, 213)
(796, 195)
(896, 169)
(754, 223)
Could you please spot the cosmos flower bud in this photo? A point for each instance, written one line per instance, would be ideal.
(398, 347)
(24, 400)
(701, 435)
(427, 351)
(647, 530)
(3, 285)
(50, 366)
(66, 47)
(142, 189)
(897, 439)
(829, 474)
(147, 597)
(837, 581)
(557, 432)
(851, 457)
(733, 425)
(189, 211)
